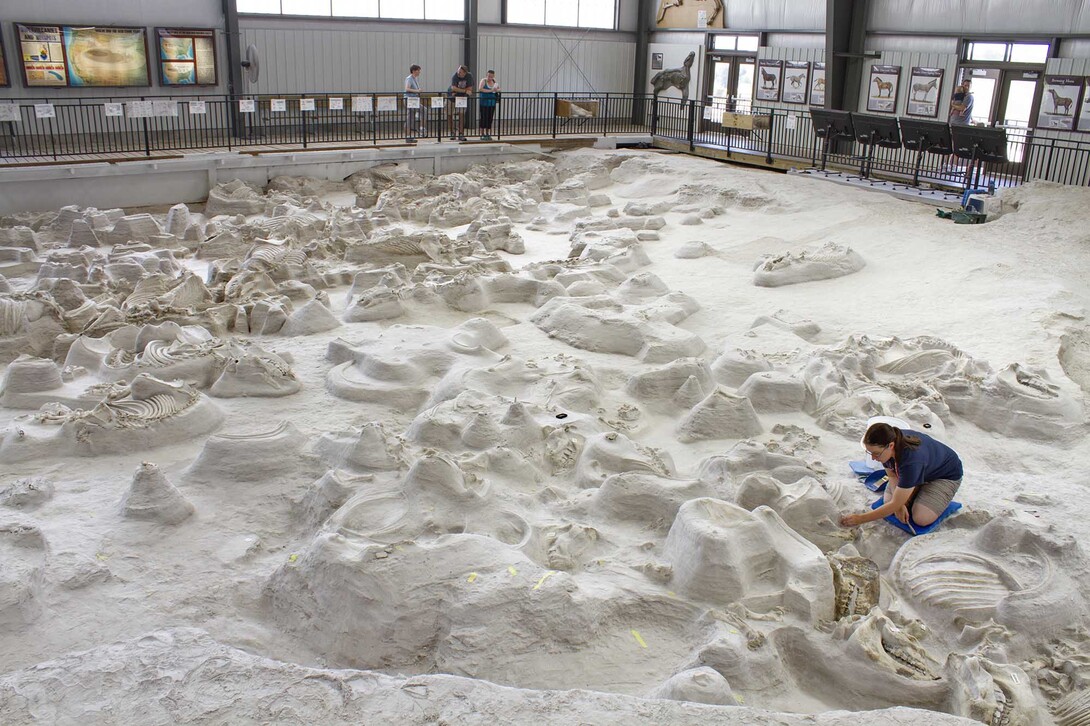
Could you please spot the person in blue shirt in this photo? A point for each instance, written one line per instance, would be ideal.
(924, 474)
(961, 107)
(414, 118)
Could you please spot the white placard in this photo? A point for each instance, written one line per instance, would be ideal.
(362, 104)
(197, 107)
(792, 123)
(709, 113)
(387, 103)
(247, 105)
(461, 102)
(336, 104)
(436, 101)
(44, 110)
(412, 102)
(9, 112)
(306, 104)
(139, 109)
(701, 18)
(163, 107)
(278, 105)
(113, 109)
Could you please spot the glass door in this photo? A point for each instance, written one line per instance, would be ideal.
(1018, 91)
(743, 90)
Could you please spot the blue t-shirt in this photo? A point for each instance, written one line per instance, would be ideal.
(929, 461)
(965, 117)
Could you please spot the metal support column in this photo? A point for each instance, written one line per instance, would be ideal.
(643, 59)
(469, 58)
(233, 41)
(845, 32)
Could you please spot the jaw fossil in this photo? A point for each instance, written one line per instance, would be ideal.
(875, 638)
(996, 694)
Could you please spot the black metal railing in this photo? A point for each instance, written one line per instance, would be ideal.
(91, 127)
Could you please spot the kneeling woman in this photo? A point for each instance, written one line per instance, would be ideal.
(923, 473)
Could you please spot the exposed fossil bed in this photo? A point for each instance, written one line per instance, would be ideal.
(543, 442)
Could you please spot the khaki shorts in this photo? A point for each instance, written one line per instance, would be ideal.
(936, 495)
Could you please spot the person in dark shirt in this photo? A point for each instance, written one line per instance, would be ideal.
(461, 86)
(924, 474)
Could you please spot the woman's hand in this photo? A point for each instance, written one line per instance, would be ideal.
(851, 520)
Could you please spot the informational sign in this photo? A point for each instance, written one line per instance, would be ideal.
(63, 55)
(278, 105)
(1084, 112)
(44, 110)
(796, 81)
(139, 109)
(187, 56)
(387, 103)
(436, 101)
(362, 104)
(164, 107)
(882, 93)
(412, 102)
(5, 79)
(1059, 103)
(709, 112)
(9, 112)
(113, 110)
(924, 92)
(247, 105)
(306, 104)
(769, 79)
(461, 102)
(197, 108)
(817, 84)
(336, 103)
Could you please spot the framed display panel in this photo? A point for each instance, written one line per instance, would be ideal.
(187, 56)
(1059, 102)
(691, 14)
(882, 89)
(56, 56)
(817, 84)
(796, 81)
(924, 92)
(5, 79)
(769, 79)
(1084, 107)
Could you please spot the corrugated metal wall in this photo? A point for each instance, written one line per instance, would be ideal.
(746, 15)
(907, 61)
(789, 54)
(1067, 67)
(542, 62)
(980, 16)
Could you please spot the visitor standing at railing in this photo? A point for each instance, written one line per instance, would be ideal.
(461, 86)
(961, 106)
(414, 119)
(490, 96)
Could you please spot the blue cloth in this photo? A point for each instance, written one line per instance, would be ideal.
(861, 468)
(929, 461)
(488, 95)
(412, 82)
(916, 529)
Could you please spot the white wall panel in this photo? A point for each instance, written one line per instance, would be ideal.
(542, 62)
(907, 61)
(743, 15)
(980, 16)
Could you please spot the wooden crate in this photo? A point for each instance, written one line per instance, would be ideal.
(564, 108)
(746, 121)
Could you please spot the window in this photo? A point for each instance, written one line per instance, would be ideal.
(392, 9)
(1007, 52)
(727, 42)
(569, 13)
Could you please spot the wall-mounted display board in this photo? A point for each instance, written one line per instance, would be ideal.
(769, 79)
(817, 84)
(55, 56)
(1084, 112)
(796, 81)
(882, 90)
(187, 56)
(690, 14)
(924, 91)
(1059, 102)
(5, 79)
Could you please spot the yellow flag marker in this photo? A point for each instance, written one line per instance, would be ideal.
(671, 593)
(543, 579)
(739, 699)
(734, 631)
(102, 556)
(293, 557)
(472, 577)
(639, 638)
(512, 570)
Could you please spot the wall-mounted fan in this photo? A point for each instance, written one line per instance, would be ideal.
(252, 63)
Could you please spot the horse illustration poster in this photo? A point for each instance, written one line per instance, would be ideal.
(1059, 102)
(817, 85)
(769, 79)
(924, 91)
(796, 81)
(882, 93)
(1084, 112)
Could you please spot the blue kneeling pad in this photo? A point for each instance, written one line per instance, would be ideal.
(915, 529)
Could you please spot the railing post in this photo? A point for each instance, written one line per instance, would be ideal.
(304, 115)
(1026, 152)
(556, 98)
(147, 141)
(771, 131)
(692, 125)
